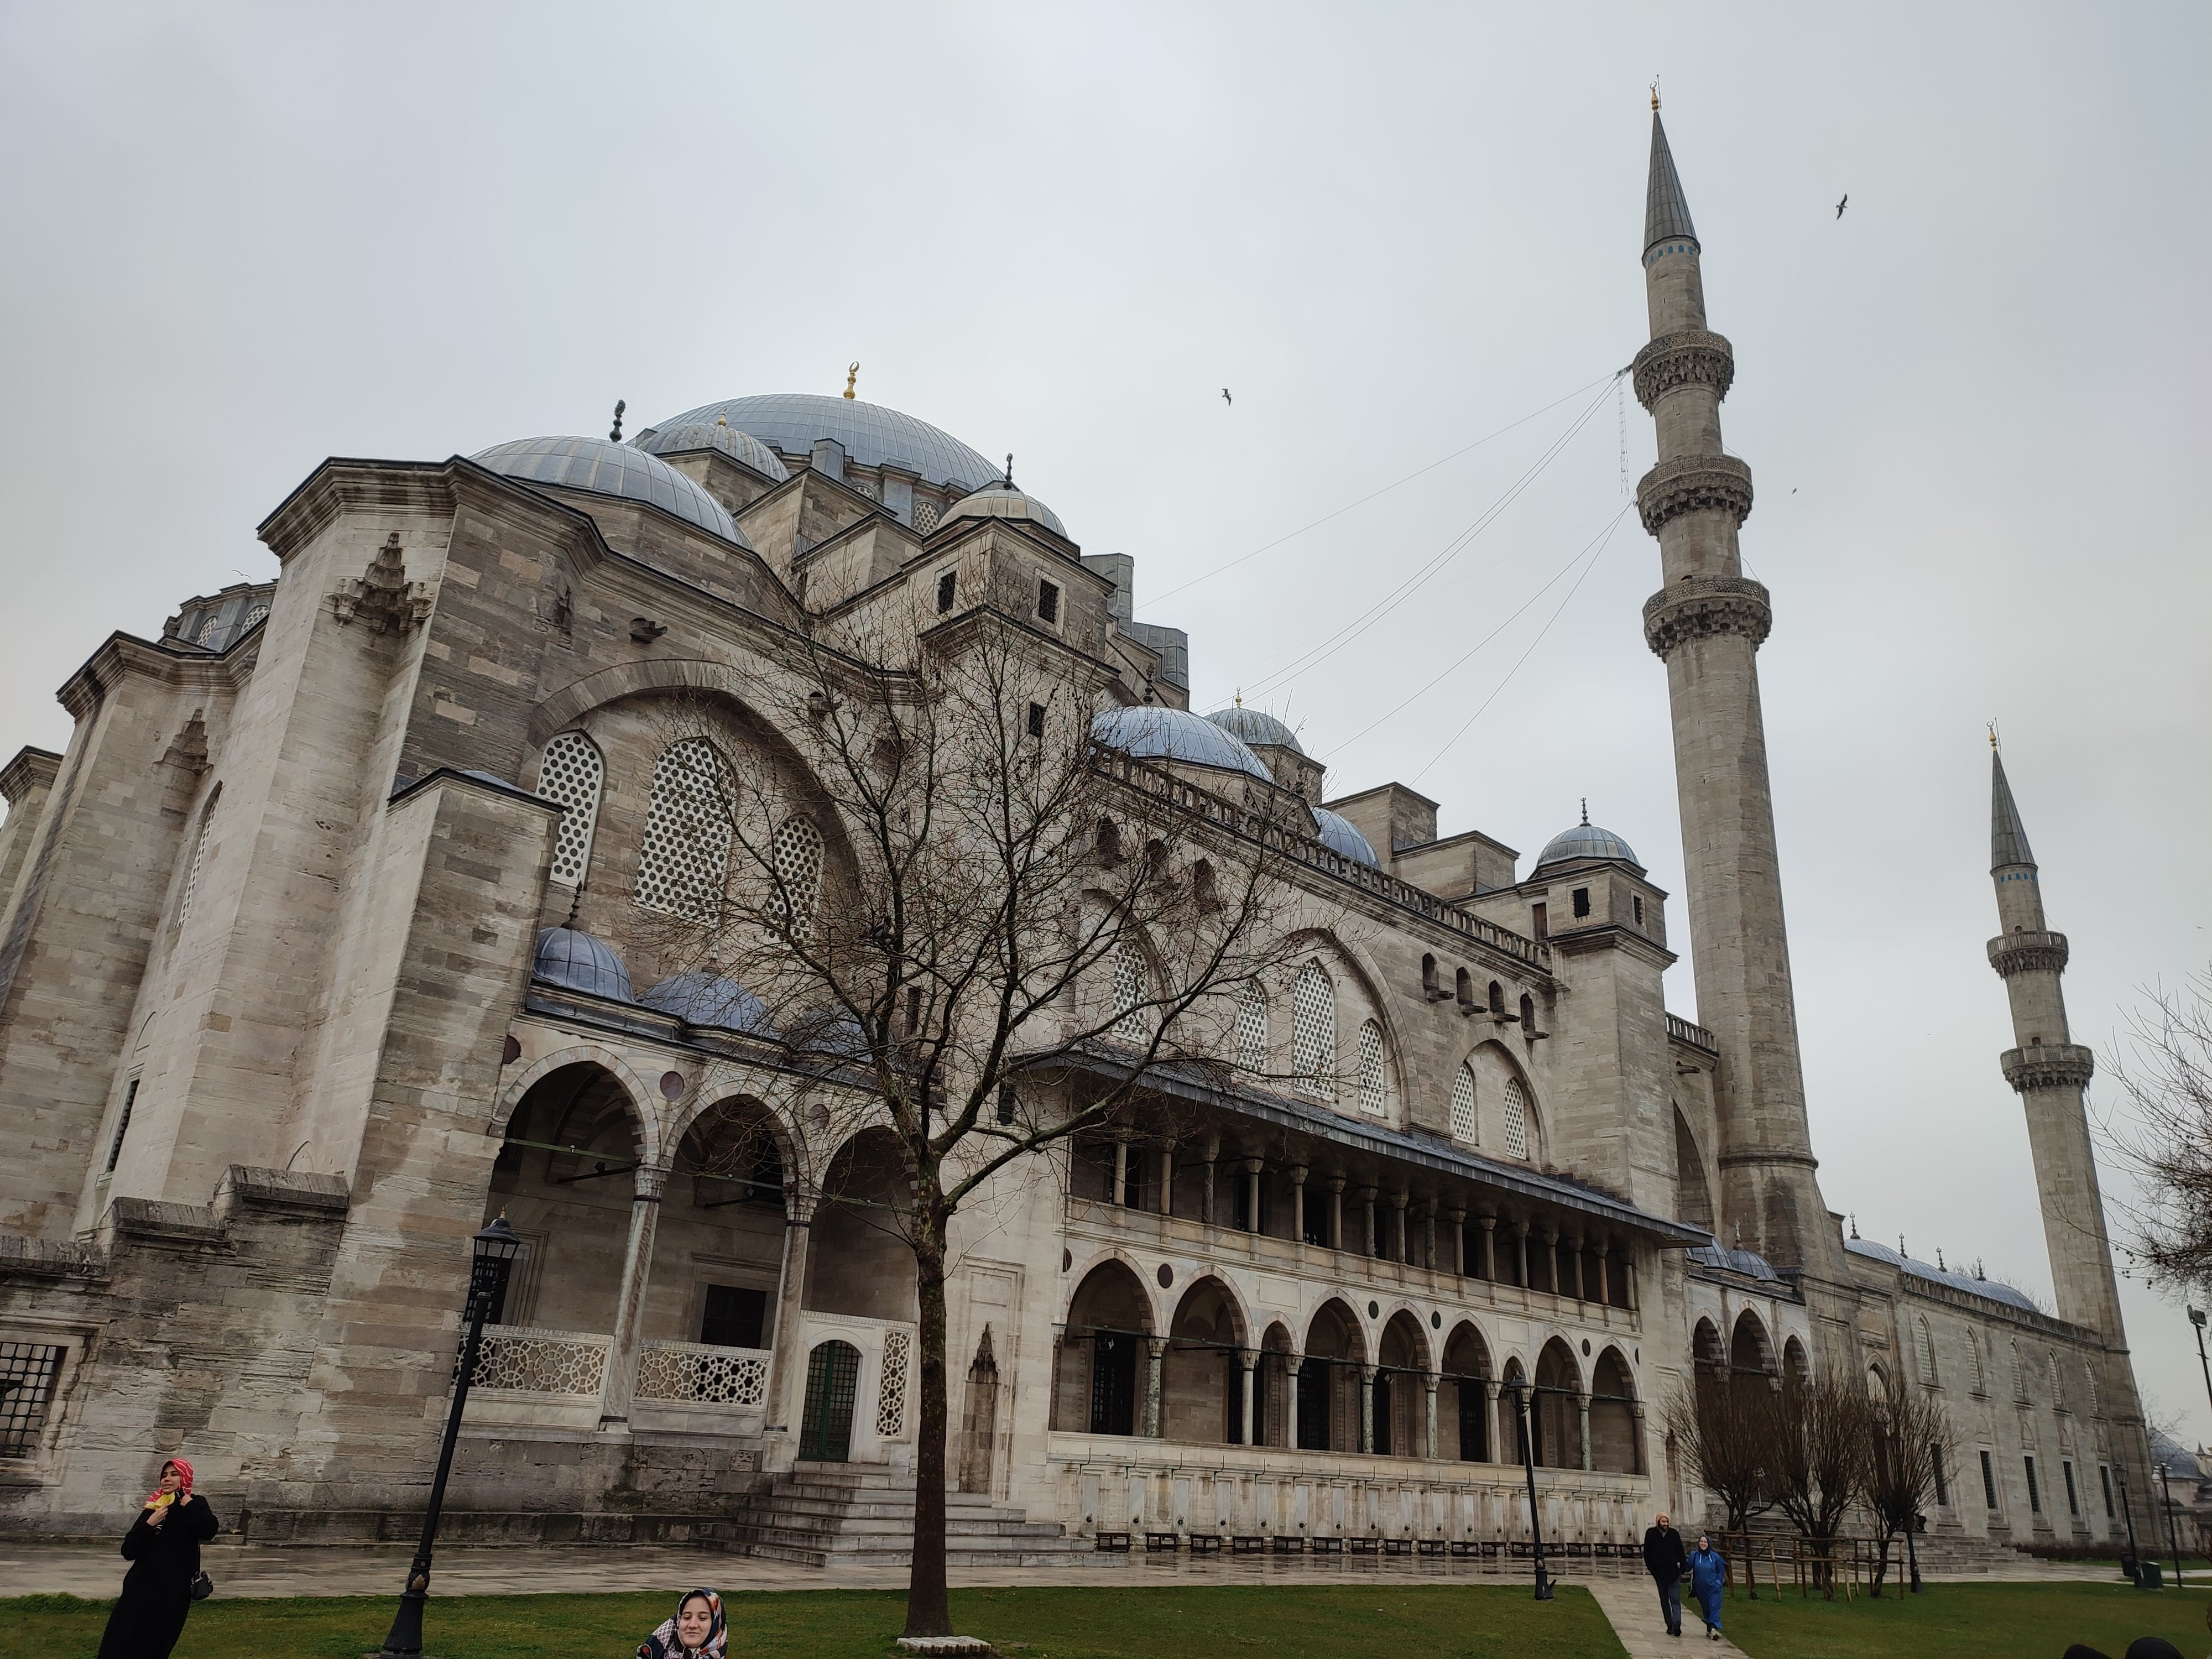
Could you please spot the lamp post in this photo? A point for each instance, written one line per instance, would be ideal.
(1517, 1385)
(2128, 1515)
(496, 1249)
(2196, 1318)
(2173, 1542)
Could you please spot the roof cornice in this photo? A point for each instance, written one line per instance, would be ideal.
(32, 769)
(122, 654)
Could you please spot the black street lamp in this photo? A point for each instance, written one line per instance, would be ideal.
(2196, 1318)
(1517, 1386)
(496, 1247)
(2166, 1496)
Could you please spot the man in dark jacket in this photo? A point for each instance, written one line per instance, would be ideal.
(1666, 1560)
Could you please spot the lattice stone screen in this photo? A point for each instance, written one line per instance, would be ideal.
(1313, 1031)
(693, 1373)
(259, 613)
(199, 858)
(685, 864)
(795, 851)
(1465, 1126)
(1516, 1119)
(1374, 1097)
(925, 517)
(529, 1360)
(570, 775)
(1129, 982)
(1252, 1029)
(890, 1399)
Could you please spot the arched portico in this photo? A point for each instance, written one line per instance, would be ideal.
(1467, 1413)
(1105, 1355)
(1203, 1385)
(1328, 1390)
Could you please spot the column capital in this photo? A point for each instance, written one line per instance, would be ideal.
(1335, 1183)
(651, 1180)
(1297, 1173)
(1485, 1220)
(1699, 607)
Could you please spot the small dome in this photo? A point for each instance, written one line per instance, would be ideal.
(1748, 1262)
(1586, 840)
(1252, 727)
(741, 447)
(601, 468)
(1152, 733)
(569, 958)
(1340, 834)
(873, 435)
(711, 1000)
(1003, 501)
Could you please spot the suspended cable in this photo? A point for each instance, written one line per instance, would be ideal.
(1371, 495)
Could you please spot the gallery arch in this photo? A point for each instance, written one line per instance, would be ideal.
(1104, 1353)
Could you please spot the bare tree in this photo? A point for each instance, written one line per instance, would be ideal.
(983, 931)
(1909, 1441)
(2166, 1139)
(1725, 1429)
(1820, 1447)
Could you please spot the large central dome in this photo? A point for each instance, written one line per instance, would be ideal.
(873, 435)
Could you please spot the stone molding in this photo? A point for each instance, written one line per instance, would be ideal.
(2054, 1066)
(1699, 607)
(1691, 483)
(1693, 357)
(32, 769)
(2024, 953)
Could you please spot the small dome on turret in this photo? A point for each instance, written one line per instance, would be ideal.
(598, 467)
(1152, 731)
(575, 961)
(711, 1000)
(1585, 841)
(1000, 499)
(1340, 834)
(1253, 726)
(740, 447)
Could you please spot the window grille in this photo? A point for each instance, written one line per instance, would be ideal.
(1942, 1481)
(569, 775)
(1252, 1029)
(2089, 1376)
(1974, 1358)
(795, 852)
(2072, 1500)
(1516, 1119)
(925, 517)
(199, 858)
(259, 613)
(122, 1125)
(2105, 1480)
(2019, 1375)
(1464, 1125)
(683, 866)
(865, 486)
(1047, 602)
(27, 1370)
(1581, 903)
(1927, 1346)
(948, 590)
(2035, 1491)
(2058, 1393)
(1130, 992)
(1313, 1031)
(1989, 1483)
(210, 630)
(1373, 1098)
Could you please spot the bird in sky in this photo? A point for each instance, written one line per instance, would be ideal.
(1227, 399)
(1841, 205)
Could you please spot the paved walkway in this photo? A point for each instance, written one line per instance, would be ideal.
(1633, 1605)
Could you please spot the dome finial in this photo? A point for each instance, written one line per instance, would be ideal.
(1654, 95)
(852, 375)
(1994, 744)
(614, 436)
(1585, 811)
(1009, 480)
(1855, 1224)
(722, 417)
(1240, 696)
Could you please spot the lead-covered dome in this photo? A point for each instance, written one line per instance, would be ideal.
(711, 1000)
(574, 960)
(872, 435)
(1586, 840)
(1251, 725)
(741, 447)
(1003, 501)
(601, 468)
(1152, 732)
(1340, 834)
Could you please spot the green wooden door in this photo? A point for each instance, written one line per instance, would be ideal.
(832, 1375)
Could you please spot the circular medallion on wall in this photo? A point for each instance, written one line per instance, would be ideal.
(1167, 1275)
(671, 1086)
(1374, 1310)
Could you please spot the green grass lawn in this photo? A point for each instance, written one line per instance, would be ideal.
(1264, 1622)
(1964, 1621)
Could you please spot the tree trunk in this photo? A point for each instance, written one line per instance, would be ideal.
(928, 1605)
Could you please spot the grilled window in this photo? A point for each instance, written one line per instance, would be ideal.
(948, 585)
(2035, 1491)
(1942, 1481)
(685, 864)
(1048, 601)
(2073, 1499)
(569, 775)
(1313, 1031)
(1582, 901)
(27, 1370)
(795, 854)
(1989, 1483)
(1373, 1095)
(122, 1124)
(1252, 1027)
(1516, 1119)
(199, 859)
(1129, 993)
(1464, 1125)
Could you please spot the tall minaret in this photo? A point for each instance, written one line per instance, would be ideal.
(2050, 1072)
(1706, 623)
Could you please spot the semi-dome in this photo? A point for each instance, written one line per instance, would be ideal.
(1152, 732)
(1251, 725)
(1003, 501)
(711, 1000)
(574, 960)
(601, 468)
(872, 435)
(1340, 834)
(738, 446)
(1586, 840)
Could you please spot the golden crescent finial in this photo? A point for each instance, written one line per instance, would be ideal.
(851, 375)
(1654, 95)
(1993, 734)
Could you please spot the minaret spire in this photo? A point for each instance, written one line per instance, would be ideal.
(2008, 840)
(1666, 209)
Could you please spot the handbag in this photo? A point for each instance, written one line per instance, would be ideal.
(202, 1587)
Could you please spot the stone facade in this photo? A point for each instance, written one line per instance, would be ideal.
(322, 943)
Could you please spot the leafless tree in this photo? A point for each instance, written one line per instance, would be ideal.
(2164, 1138)
(1909, 1440)
(1725, 1430)
(984, 933)
(1820, 1448)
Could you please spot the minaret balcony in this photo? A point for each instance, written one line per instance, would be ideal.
(2052, 1065)
(1689, 356)
(1699, 607)
(1692, 484)
(2027, 953)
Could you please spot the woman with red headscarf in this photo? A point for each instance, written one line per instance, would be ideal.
(163, 1549)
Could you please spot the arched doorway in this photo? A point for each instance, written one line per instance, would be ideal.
(566, 1178)
(1328, 1381)
(833, 1377)
(1794, 1365)
(1463, 1416)
(1271, 1389)
(1202, 1381)
(1108, 1323)
(1616, 1447)
(857, 1260)
(1706, 1353)
(1402, 1406)
(718, 1251)
(1750, 1351)
(1558, 1407)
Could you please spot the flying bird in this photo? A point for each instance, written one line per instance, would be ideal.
(1841, 205)
(1227, 399)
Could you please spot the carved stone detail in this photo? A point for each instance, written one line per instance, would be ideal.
(382, 595)
(1691, 482)
(2023, 953)
(2054, 1066)
(1699, 607)
(1692, 357)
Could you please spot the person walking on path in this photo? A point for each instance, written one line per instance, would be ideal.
(697, 1630)
(163, 1549)
(1708, 1573)
(1666, 1561)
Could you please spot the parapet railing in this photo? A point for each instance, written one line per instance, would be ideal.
(1681, 1030)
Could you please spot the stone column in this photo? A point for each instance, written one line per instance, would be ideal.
(1492, 1444)
(1247, 1360)
(1429, 1388)
(1167, 1181)
(1121, 1169)
(1367, 1409)
(1154, 1351)
(1293, 1364)
(1604, 1272)
(1253, 1166)
(1335, 1213)
(1550, 1240)
(1628, 1278)
(620, 1381)
(1397, 1201)
(1297, 1203)
(1429, 1237)
(1521, 1243)
(1373, 1243)
(1457, 1217)
(788, 1368)
(1574, 1250)
(1582, 1413)
(1488, 1224)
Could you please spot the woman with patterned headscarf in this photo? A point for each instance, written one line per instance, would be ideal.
(696, 1632)
(163, 1549)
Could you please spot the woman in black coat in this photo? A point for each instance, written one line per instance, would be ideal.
(163, 1549)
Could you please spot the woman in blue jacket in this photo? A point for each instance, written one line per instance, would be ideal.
(1708, 1573)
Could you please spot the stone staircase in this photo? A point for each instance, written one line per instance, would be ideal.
(832, 1514)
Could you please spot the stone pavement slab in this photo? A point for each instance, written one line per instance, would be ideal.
(1632, 1607)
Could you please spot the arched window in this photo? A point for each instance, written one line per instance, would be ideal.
(1373, 1097)
(1429, 986)
(1463, 1124)
(1979, 1382)
(1527, 1014)
(1252, 1027)
(1516, 1119)
(1926, 1342)
(2019, 1376)
(685, 865)
(2089, 1375)
(569, 775)
(199, 857)
(795, 855)
(2058, 1392)
(1313, 1031)
(259, 613)
(1497, 1004)
(1110, 843)
(1130, 980)
(1465, 987)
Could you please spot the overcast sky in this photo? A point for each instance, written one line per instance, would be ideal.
(238, 240)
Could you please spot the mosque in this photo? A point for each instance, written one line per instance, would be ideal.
(315, 953)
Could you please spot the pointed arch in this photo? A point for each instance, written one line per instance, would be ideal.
(1924, 1349)
(1751, 1350)
(199, 856)
(571, 773)
(1202, 1372)
(1615, 1427)
(1108, 1316)
(1517, 1115)
(1794, 1365)
(1693, 1194)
